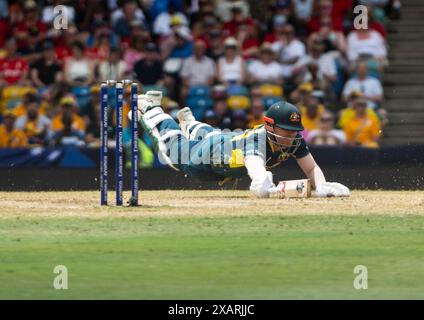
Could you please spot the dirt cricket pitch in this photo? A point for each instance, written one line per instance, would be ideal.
(211, 245)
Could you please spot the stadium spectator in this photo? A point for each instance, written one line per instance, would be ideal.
(134, 53)
(366, 43)
(179, 45)
(247, 36)
(316, 67)
(122, 18)
(114, 67)
(238, 18)
(326, 134)
(10, 136)
(362, 129)
(302, 13)
(257, 110)
(79, 70)
(67, 135)
(370, 87)
(13, 69)
(46, 71)
(30, 25)
(312, 112)
(290, 50)
(149, 70)
(221, 109)
(266, 69)
(211, 118)
(68, 104)
(335, 39)
(64, 42)
(36, 126)
(231, 68)
(277, 35)
(198, 70)
(336, 10)
(164, 21)
(215, 49)
(239, 120)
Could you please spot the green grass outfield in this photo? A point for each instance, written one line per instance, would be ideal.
(223, 257)
(211, 245)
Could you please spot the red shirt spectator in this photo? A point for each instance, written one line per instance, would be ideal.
(337, 10)
(12, 68)
(230, 27)
(31, 22)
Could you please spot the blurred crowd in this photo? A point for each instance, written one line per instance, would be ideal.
(227, 60)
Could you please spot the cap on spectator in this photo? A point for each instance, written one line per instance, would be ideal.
(360, 101)
(30, 5)
(183, 32)
(266, 47)
(68, 100)
(355, 94)
(176, 20)
(279, 20)
(306, 87)
(151, 47)
(210, 114)
(238, 102)
(231, 42)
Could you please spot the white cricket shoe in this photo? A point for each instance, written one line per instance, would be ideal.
(185, 117)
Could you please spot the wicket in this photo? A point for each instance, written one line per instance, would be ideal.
(118, 86)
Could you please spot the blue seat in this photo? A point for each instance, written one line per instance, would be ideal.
(199, 91)
(237, 90)
(270, 100)
(83, 96)
(199, 105)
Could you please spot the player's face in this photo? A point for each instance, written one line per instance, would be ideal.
(281, 138)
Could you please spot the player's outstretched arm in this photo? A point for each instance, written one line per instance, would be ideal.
(322, 187)
(261, 179)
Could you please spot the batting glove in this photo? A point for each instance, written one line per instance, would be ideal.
(331, 189)
(260, 186)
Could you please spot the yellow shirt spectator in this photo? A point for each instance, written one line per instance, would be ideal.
(11, 137)
(362, 129)
(68, 103)
(349, 113)
(311, 115)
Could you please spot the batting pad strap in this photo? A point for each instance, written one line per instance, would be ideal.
(170, 134)
(196, 129)
(155, 116)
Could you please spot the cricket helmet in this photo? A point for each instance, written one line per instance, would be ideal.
(286, 116)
